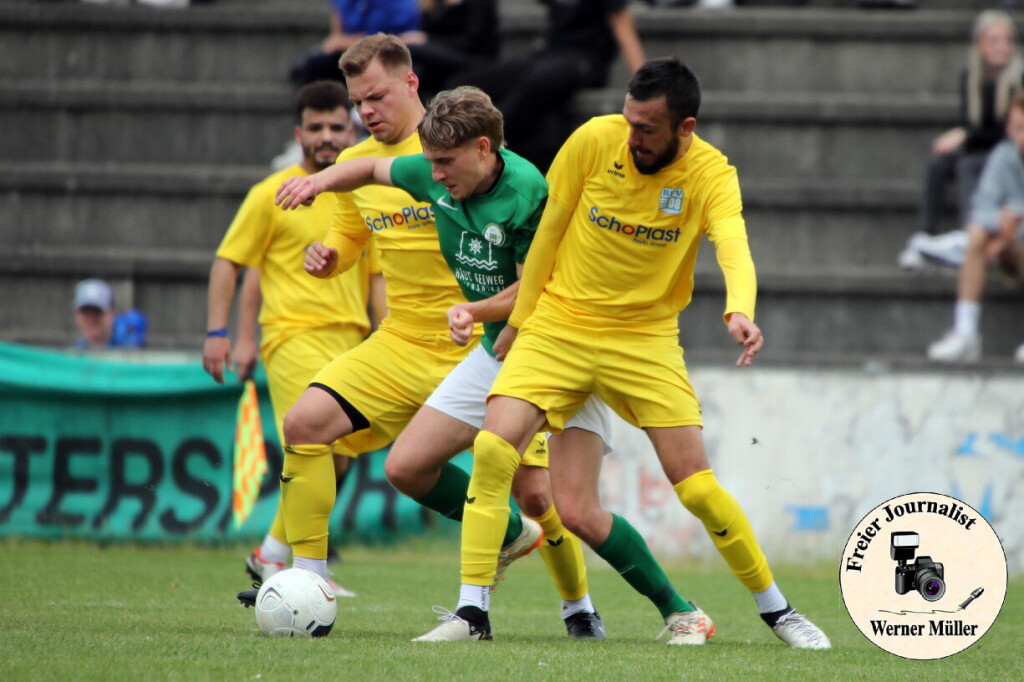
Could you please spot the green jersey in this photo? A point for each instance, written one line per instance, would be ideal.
(483, 237)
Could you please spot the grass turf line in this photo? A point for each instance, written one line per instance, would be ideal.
(77, 611)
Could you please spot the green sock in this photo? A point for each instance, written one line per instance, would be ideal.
(628, 554)
(448, 496)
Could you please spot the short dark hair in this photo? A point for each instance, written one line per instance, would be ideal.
(389, 50)
(669, 77)
(321, 96)
(457, 117)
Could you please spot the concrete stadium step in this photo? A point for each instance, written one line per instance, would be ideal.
(833, 312)
(146, 121)
(146, 205)
(791, 49)
(190, 206)
(766, 134)
(801, 309)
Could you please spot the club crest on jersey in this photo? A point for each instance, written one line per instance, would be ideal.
(471, 252)
(671, 201)
(494, 234)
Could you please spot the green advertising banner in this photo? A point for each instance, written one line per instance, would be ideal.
(131, 450)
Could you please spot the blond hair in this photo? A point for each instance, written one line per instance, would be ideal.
(1008, 81)
(456, 117)
(389, 50)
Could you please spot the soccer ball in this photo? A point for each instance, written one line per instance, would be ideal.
(296, 603)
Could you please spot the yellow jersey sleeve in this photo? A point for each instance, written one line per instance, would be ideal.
(418, 283)
(265, 237)
(540, 261)
(630, 246)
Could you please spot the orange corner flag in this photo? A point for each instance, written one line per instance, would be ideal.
(250, 455)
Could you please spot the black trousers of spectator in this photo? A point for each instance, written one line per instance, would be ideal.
(533, 94)
(963, 168)
(437, 64)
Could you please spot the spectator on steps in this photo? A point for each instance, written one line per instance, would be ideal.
(994, 73)
(100, 327)
(993, 238)
(581, 40)
(460, 34)
(350, 21)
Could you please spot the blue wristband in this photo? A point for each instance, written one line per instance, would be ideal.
(222, 333)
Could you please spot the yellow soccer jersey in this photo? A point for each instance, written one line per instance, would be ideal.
(263, 236)
(630, 242)
(420, 287)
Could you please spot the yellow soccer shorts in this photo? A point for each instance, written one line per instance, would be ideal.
(557, 363)
(387, 378)
(292, 362)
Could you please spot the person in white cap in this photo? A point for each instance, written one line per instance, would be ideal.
(97, 323)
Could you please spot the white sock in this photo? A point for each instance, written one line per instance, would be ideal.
(318, 566)
(965, 317)
(570, 608)
(475, 595)
(274, 550)
(771, 600)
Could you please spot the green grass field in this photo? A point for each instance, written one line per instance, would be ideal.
(76, 611)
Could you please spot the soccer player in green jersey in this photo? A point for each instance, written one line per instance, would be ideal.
(487, 202)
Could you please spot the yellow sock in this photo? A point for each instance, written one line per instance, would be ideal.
(727, 526)
(485, 515)
(563, 555)
(307, 497)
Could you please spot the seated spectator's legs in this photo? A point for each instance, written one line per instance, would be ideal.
(967, 170)
(530, 90)
(435, 64)
(316, 66)
(941, 169)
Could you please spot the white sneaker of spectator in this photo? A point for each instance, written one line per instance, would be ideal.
(956, 347)
(716, 4)
(945, 249)
(910, 257)
(1018, 357)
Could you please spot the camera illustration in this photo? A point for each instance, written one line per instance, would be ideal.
(923, 575)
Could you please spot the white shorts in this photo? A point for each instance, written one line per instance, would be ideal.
(463, 395)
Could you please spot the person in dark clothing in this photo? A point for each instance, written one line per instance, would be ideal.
(460, 35)
(581, 40)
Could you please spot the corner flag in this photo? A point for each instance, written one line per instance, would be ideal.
(250, 455)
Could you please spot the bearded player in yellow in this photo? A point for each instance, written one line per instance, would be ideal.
(367, 396)
(306, 323)
(609, 270)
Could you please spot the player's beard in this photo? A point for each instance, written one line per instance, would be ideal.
(316, 155)
(660, 161)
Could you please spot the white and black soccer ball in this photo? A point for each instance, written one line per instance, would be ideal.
(296, 603)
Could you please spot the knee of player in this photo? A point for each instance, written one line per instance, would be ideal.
(297, 430)
(583, 522)
(696, 491)
(396, 471)
(532, 502)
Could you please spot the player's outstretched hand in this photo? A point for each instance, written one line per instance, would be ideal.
(217, 357)
(320, 260)
(296, 191)
(460, 324)
(503, 344)
(748, 335)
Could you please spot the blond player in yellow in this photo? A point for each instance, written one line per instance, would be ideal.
(609, 270)
(306, 322)
(365, 398)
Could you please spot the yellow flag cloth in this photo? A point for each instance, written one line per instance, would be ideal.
(250, 456)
